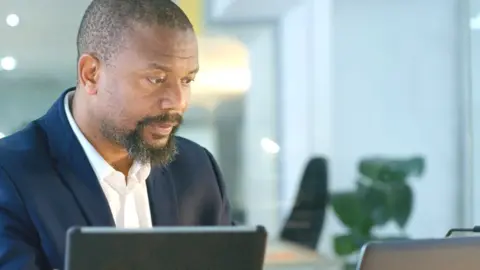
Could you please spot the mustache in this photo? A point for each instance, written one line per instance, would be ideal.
(164, 118)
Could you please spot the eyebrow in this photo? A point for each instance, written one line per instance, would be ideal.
(167, 69)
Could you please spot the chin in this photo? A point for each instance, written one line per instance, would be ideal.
(157, 143)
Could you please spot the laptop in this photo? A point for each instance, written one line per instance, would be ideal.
(462, 253)
(464, 232)
(166, 248)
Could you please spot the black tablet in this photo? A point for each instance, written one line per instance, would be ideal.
(423, 254)
(166, 248)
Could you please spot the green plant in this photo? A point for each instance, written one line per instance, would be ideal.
(382, 194)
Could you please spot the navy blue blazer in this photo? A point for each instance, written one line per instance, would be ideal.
(47, 186)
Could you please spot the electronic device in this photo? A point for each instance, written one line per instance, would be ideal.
(166, 248)
(464, 232)
(458, 253)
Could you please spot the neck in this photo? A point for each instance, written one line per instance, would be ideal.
(114, 155)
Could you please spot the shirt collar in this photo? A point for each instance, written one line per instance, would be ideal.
(101, 167)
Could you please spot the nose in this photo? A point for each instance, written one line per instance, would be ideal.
(174, 96)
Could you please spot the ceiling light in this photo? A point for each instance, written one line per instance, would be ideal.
(13, 20)
(269, 146)
(8, 63)
(2, 135)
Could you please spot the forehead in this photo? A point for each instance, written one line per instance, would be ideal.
(162, 44)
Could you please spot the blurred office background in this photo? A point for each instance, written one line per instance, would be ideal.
(285, 81)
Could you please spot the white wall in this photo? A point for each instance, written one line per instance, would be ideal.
(397, 93)
(392, 87)
(475, 116)
(259, 169)
(259, 179)
(304, 109)
(25, 100)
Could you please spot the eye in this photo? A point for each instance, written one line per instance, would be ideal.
(156, 80)
(188, 81)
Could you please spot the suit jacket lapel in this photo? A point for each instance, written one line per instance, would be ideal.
(86, 188)
(73, 166)
(163, 198)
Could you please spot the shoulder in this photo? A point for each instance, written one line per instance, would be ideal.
(187, 148)
(199, 186)
(192, 155)
(24, 149)
(194, 162)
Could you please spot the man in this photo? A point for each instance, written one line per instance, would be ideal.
(105, 154)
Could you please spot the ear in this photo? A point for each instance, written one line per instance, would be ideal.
(89, 73)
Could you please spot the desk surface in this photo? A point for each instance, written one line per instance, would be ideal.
(283, 254)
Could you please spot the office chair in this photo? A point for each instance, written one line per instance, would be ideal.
(305, 222)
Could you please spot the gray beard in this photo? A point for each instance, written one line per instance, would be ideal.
(138, 149)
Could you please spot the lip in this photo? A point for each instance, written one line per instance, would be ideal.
(162, 128)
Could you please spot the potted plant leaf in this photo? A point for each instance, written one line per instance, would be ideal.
(382, 194)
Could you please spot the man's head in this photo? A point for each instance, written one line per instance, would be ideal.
(136, 60)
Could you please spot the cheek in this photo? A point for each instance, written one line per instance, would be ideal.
(187, 93)
(119, 98)
(131, 102)
(186, 105)
(116, 108)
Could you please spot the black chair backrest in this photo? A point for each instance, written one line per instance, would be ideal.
(305, 223)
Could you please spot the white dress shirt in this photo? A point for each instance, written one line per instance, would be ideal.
(127, 198)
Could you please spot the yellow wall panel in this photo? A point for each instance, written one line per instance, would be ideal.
(194, 11)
